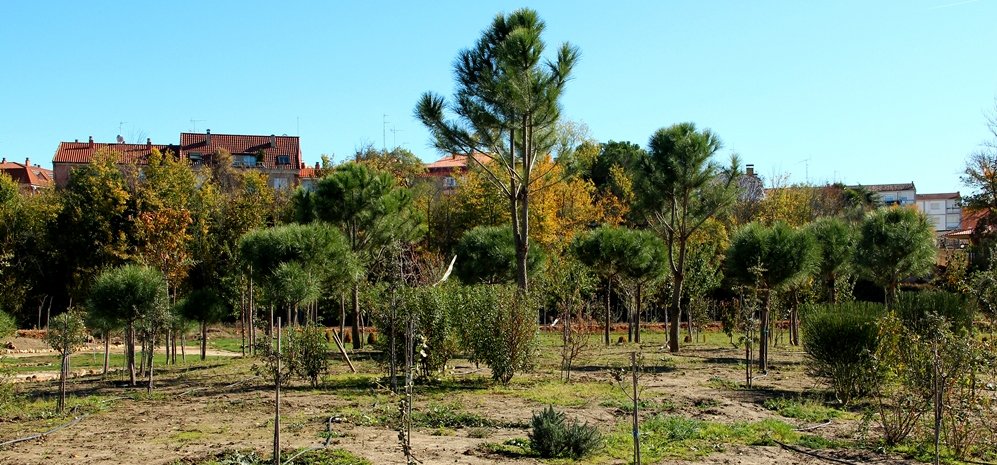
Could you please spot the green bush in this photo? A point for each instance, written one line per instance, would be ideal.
(553, 436)
(840, 341)
(434, 323)
(498, 327)
(308, 354)
(916, 308)
(7, 325)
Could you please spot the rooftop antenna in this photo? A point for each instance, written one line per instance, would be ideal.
(806, 169)
(121, 124)
(394, 136)
(193, 124)
(384, 127)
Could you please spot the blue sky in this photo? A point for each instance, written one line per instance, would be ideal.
(855, 91)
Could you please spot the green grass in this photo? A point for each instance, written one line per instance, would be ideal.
(450, 416)
(807, 410)
(84, 360)
(676, 437)
(559, 394)
(723, 384)
(21, 409)
(314, 457)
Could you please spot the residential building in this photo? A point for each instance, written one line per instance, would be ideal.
(892, 194)
(72, 155)
(943, 210)
(279, 157)
(30, 177)
(448, 168)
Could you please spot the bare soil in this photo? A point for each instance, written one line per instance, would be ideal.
(203, 408)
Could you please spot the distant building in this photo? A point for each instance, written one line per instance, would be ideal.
(448, 168)
(30, 177)
(752, 189)
(943, 210)
(72, 155)
(279, 157)
(892, 194)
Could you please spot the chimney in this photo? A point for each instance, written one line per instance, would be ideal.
(273, 141)
(749, 169)
(302, 165)
(316, 165)
(27, 162)
(76, 141)
(207, 136)
(148, 143)
(91, 141)
(4, 160)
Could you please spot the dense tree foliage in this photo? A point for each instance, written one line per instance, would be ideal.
(894, 244)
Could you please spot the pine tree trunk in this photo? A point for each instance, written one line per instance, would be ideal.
(674, 312)
(357, 342)
(637, 314)
(130, 349)
(609, 291)
(152, 353)
(204, 340)
(107, 353)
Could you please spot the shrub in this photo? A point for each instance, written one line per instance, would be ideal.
(7, 325)
(308, 353)
(553, 436)
(435, 327)
(499, 328)
(915, 308)
(840, 341)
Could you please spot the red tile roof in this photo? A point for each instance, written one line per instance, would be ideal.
(27, 174)
(82, 152)
(454, 162)
(886, 187)
(271, 146)
(942, 196)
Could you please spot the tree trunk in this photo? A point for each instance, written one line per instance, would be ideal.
(276, 418)
(130, 349)
(152, 353)
(637, 314)
(204, 340)
(107, 353)
(357, 343)
(675, 312)
(183, 347)
(609, 292)
(342, 315)
(63, 374)
(794, 325)
(763, 339)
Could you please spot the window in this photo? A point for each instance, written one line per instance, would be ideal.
(283, 159)
(278, 183)
(449, 182)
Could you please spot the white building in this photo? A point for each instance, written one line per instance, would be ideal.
(892, 194)
(942, 210)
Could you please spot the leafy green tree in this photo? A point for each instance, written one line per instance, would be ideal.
(680, 187)
(373, 213)
(205, 306)
(94, 226)
(499, 327)
(894, 244)
(66, 333)
(836, 241)
(506, 108)
(487, 255)
(128, 294)
(613, 252)
(403, 165)
(771, 258)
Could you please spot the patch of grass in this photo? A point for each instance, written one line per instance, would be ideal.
(312, 457)
(625, 406)
(723, 384)
(670, 436)
(450, 415)
(572, 395)
(807, 410)
(480, 432)
(707, 405)
(512, 448)
(187, 436)
(21, 409)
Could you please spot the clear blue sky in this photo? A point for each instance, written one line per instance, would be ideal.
(856, 91)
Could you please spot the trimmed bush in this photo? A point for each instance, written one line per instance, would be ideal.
(498, 327)
(915, 309)
(553, 436)
(840, 341)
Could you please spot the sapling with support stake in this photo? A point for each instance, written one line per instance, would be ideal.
(631, 387)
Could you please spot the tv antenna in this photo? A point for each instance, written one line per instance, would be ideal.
(121, 124)
(806, 169)
(384, 128)
(394, 136)
(193, 124)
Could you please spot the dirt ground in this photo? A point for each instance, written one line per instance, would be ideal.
(203, 408)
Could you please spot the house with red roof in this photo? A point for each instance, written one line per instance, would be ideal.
(451, 166)
(279, 157)
(30, 177)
